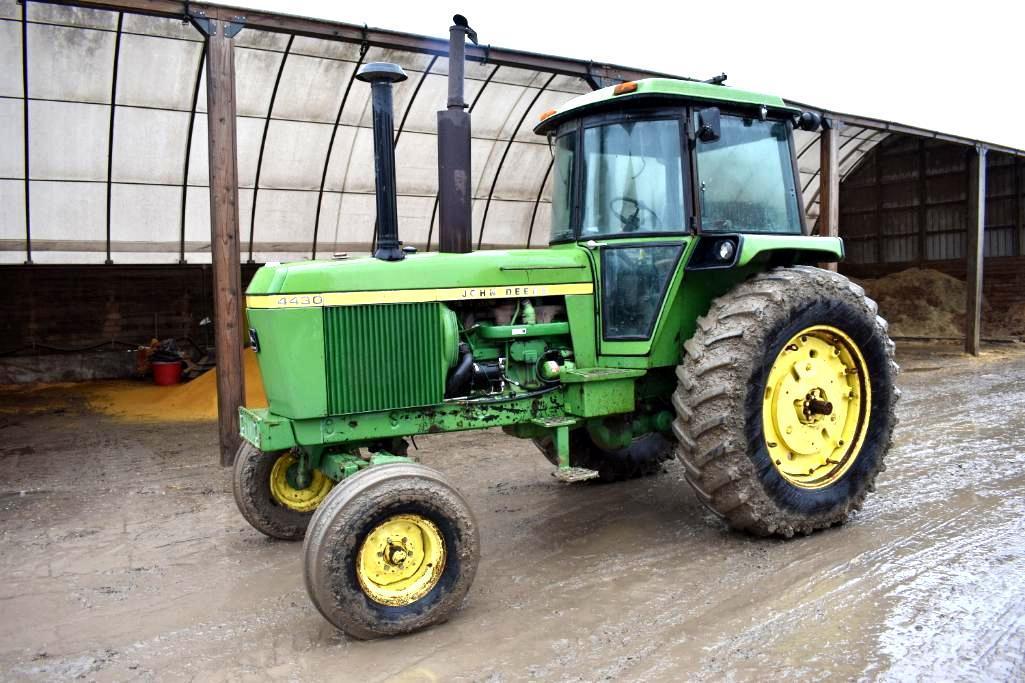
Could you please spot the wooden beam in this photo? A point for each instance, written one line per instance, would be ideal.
(974, 243)
(829, 182)
(376, 37)
(224, 242)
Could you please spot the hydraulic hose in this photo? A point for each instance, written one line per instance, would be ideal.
(460, 377)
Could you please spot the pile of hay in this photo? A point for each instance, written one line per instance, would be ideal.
(1014, 320)
(920, 302)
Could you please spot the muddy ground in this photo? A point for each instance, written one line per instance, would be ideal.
(123, 557)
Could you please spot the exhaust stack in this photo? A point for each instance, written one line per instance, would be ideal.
(380, 76)
(455, 221)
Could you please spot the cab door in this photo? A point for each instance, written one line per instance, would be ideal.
(634, 216)
(634, 279)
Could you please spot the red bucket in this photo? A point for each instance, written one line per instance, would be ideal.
(167, 372)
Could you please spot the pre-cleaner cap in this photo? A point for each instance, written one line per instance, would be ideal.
(376, 71)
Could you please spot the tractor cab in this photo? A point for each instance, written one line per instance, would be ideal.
(646, 170)
(659, 157)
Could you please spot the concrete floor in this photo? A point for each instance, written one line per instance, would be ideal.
(123, 557)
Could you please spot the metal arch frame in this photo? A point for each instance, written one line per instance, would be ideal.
(544, 180)
(110, 133)
(871, 138)
(337, 31)
(882, 135)
(24, 88)
(877, 137)
(800, 154)
(416, 91)
(816, 174)
(402, 125)
(537, 202)
(351, 33)
(188, 149)
(437, 196)
(263, 144)
(501, 162)
(331, 144)
(815, 195)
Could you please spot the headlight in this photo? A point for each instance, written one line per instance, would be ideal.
(724, 250)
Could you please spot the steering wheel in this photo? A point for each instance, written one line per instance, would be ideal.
(631, 222)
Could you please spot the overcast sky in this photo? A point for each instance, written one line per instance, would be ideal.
(948, 66)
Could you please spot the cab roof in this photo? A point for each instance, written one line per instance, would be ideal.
(660, 88)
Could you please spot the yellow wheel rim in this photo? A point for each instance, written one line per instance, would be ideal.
(401, 560)
(285, 493)
(816, 407)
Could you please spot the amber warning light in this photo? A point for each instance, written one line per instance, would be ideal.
(625, 88)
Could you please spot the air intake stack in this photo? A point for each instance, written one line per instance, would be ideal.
(455, 220)
(381, 75)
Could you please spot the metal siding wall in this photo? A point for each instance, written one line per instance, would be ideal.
(881, 199)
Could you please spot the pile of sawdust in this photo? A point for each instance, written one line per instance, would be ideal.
(190, 402)
(920, 302)
(1014, 320)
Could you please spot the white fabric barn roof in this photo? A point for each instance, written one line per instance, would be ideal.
(116, 113)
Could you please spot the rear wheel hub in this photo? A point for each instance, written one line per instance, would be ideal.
(816, 407)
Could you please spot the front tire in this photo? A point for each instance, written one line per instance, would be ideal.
(393, 549)
(266, 498)
(786, 402)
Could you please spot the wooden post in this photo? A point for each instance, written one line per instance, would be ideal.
(923, 202)
(974, 244)
(224, 223)
(880, 248)
(1019, 204)
(829, 182)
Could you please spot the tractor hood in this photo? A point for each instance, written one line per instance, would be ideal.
(423, 277)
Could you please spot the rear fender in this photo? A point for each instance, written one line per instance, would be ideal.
(767, 250)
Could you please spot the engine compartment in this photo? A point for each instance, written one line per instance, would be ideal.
(518, 346)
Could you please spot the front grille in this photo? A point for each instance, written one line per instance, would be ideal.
(383, 357)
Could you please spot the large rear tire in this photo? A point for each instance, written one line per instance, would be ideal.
(786, 402)
(646, 455)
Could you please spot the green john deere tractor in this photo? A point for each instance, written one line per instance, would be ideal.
(676, 310)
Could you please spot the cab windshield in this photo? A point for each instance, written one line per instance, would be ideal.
(746, 178)
(626, 176)
(632, 180)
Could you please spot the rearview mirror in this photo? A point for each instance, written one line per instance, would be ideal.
(709, 129)
(809, 121)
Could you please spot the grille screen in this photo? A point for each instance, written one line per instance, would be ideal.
(383, 357)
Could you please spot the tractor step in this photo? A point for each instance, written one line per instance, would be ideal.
(571, 475)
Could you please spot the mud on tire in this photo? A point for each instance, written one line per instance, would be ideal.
(722, 382)
(346, 520)
(251, 487)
